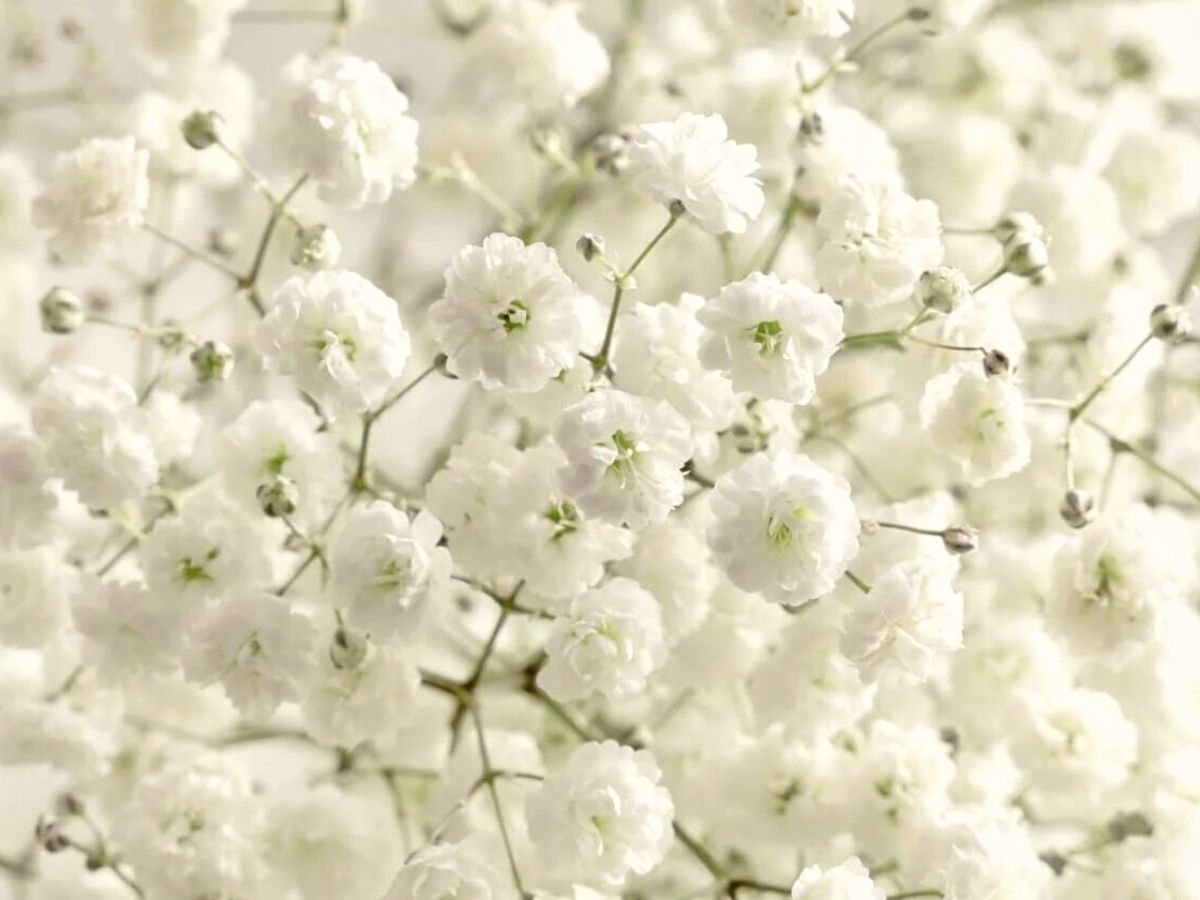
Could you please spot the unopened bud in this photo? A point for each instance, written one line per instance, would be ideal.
(1129, 824)
(996, 364)
(1025, 255)
(50, 836)
(1014, 223)
(1170, 323)
(200, 129)
(68, 805)
(943, 289)
(812, 128)
(959, 539)
(348, 649)
(278, 497)
(442, 363)
(611, 151)
(547, 142)
(1056, 861)
(1078, 508)
(316, 248)
(590, 246)
(213, 361)
(61, 311)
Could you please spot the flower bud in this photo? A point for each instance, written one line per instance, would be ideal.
(812, 128)
(1014, 223)
(1170, 323)
(200, 129)
(442, 363)
(213, 361)
(943, 289)
(1025, 255)
(278, 497)
(1129, 824)
(316, 248)
(590, 246)
(1078, 508)
(61, 310)
(68, 804)
(996, 364)
(959, 539)
(611, 152)
(348, 649)
(50, 836)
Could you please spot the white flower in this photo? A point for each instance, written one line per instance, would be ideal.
(671, 561)
(207, 551)
(1080, 214)
(91, 427)
(846, 881)
(624, 457)
(602, 816)
(1156, 175)
(692, 161)
(609, 643)
(1113, 582)
(442, 871)
(789, 20)
(363, 698)
(847, 143)
(180, 32)
(96, 198)
(34, 588)
(128, 632)
(343, 121)
(1074, 745)
(978, 421)
(80, 742)
(27, 505)
(981, 853)
(193, 829)
(328, 843)
(657, 355)
(911, 614)
(281, 437)
(256, 646)
(385, 566)
(538, 51)
(510, 315)
(540, 535)
(339, 336)
(877, 242)
(772, 337)
(784, 526)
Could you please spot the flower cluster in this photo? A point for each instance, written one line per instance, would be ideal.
(578, 450)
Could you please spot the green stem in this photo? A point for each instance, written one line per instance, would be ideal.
(1147, 459)
(621, 281)
(858, 49)
(858, 582)
(193, 252)
(1078, 409)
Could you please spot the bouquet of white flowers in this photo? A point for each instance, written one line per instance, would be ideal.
(649, 449)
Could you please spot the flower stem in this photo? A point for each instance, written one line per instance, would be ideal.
(621, 281)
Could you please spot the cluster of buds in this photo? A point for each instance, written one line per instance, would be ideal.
(1026, 254)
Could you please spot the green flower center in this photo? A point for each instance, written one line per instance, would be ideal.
(769, 336)
(514, 317)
